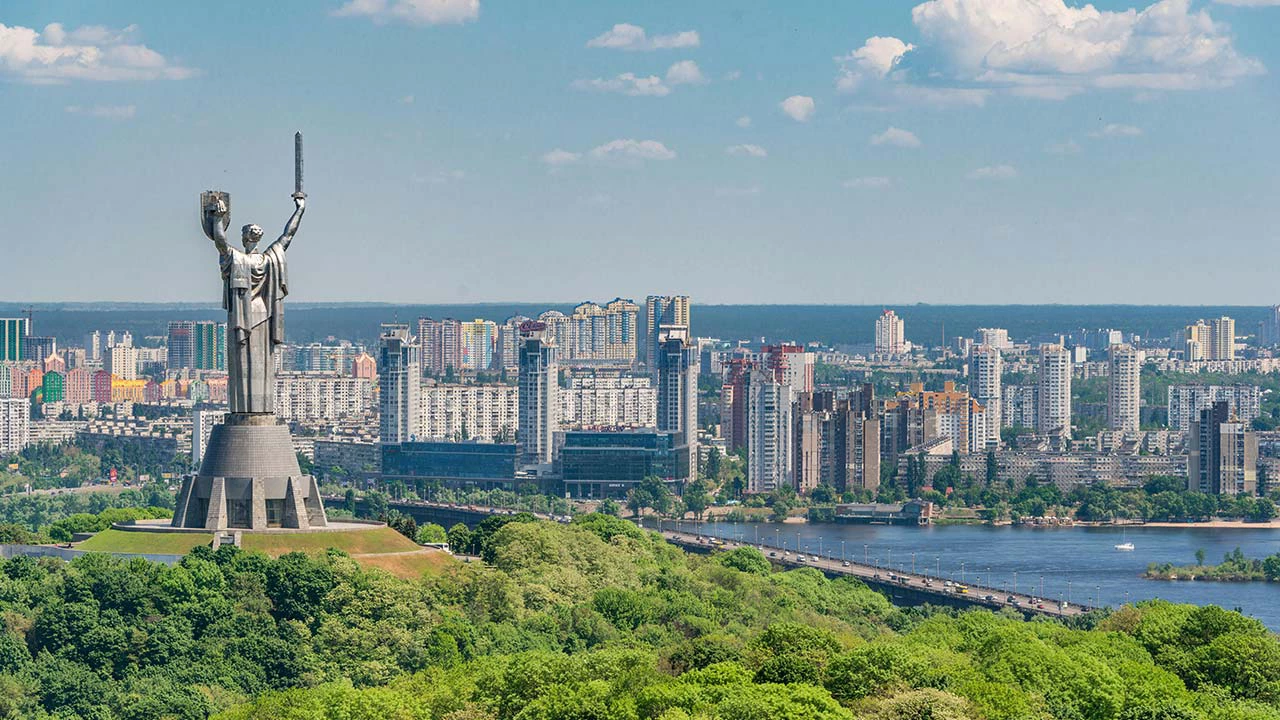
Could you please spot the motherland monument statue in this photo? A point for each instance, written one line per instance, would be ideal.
(249, 477)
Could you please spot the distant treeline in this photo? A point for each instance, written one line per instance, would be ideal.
(831, 324)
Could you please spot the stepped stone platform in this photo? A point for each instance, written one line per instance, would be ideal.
(250, 480)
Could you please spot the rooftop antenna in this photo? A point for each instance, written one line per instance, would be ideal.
(30, 312)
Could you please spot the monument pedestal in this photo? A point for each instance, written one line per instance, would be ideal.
(250, 479)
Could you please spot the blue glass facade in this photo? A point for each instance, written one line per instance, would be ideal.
(492, 465)
(608, 464)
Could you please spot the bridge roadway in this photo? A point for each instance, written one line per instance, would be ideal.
(902, 588)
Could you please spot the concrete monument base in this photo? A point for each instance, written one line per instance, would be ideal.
(250, 480)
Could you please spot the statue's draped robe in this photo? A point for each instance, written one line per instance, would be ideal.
(254, 288)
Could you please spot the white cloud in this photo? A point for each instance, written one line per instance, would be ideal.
(114, 112)
(1114, 130)
(406, 100)
(1047, 44)
(685, 72)
(993, 172)
(747, 150)
(559, 157)
(876, 58)
(414, 12)
(799, 107)
(625, 36)
(91, 52)
(628, 149)
(743, 122)
(627, 84)
(1249, 3)
(869, 182)
(733, 75)
(896, 137)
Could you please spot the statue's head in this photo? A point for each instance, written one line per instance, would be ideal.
(250, 235)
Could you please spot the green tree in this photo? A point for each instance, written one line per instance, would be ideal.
(696, 498)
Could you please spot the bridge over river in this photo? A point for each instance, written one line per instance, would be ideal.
(900, 587)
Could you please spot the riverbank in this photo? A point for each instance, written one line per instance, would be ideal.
(1215, 524)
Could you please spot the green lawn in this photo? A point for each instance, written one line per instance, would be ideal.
(356, 542)
(121, 541)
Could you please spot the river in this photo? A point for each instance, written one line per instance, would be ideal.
(1076, 563)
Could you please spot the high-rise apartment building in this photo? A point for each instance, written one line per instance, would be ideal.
(476, 340)
(1222, 339)
(920, 416)
(601, 333)
(321, 396)
(181, 344)
(1222, 454)
(1214, 340)
(122, 361)
(78, 386)
(1053, 392)
(837, 441)
(609, 399)
(490, 413)
(37, 348)
(13, 339)
(890, 334)
(662, 314)
(734, 402)
(208, 346)
(790, 364)
(770, 465)
(440, 346)
(997, 338)
(678, 396)
(538, 402)
(507, 351)
(399, 378)
(92, 346)
(1186, 402)
(1269, 328)
(1196, 341)
(101, 384)
(1123, 393)
(986, 366)
(15, 425)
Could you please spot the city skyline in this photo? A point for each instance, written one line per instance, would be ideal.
(464, 151)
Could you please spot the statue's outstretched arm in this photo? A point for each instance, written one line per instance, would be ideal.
(213, 226)
(291, 227)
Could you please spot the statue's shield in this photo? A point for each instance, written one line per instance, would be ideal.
(208, 196)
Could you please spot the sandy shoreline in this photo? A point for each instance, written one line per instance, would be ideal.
(1212, 524)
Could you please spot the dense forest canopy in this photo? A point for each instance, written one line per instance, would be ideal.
(596, 619)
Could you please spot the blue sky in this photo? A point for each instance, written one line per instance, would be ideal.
(952, 151)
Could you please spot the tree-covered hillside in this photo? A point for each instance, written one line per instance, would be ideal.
(591, 620)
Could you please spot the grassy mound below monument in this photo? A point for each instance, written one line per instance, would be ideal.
(354, 542)
(159, 543)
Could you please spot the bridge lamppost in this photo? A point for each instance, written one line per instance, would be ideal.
(819, 546)
(889, 557)
(842, 551)
(913, 563)
(777, 538)
(961, 573)
(1068, 592)
(1041, 586)
(1015, 582)
(937, 567)
(864, 554)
